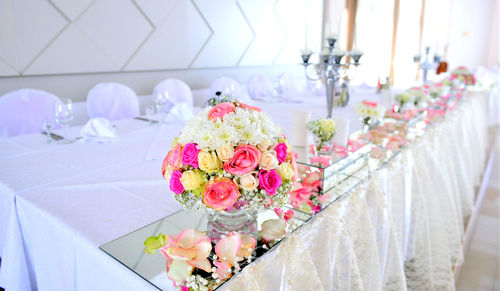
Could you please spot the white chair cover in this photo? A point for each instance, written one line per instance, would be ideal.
(226, 86)
(260, 87)
(177, 92)
(287, 86)
(22, 111)
(112, 101)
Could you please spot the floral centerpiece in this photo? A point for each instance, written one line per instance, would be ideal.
(323, 130)
(228, 158)
(462, 75)
(436, 90)
(369, 112)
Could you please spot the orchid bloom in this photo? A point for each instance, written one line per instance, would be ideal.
(186, 251)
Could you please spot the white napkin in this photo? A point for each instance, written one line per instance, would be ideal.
(180, 112)
(98, 129)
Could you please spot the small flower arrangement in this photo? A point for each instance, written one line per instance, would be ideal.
(402, 99)
(230, 156)
(323, 130)
(419, 95)
(463, 75)
(436, 90)
(370, 112)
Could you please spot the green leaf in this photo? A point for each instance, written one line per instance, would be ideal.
(153, 243)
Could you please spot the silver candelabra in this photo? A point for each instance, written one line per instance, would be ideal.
(426, 64)
(332, 69)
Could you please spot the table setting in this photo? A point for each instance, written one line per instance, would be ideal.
(146, 202)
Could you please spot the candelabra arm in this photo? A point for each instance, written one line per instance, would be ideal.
(313, 78)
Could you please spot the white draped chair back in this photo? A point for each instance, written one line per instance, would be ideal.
(176, 92)
(112, 101)
(226, 86)
(287, 85)
(260, 87)
(23, 111)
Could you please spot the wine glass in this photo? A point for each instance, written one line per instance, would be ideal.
(63, 115)
(162, 104)
(47, 126)
(150, 111)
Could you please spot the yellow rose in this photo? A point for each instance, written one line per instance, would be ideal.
(208, 161)
(248, 181)
(285, 171)
(191, 180)
(264, 145)
(225, 152)
(268, 161)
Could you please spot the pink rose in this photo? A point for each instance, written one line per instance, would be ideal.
(175, 182)
(245, 159)
(292, 159)
(220, 194)
(221, 109)
(246, 106)
(370, 103)
(281, 152)
(269, 181)
(173, 158)
(190, 155)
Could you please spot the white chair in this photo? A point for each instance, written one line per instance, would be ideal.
(23, 111)
(226, 86)
(260, 87)
(112, 101)
(175, 91)
(287, 86)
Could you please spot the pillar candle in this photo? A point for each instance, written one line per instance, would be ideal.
(299, 131)
(342, 132)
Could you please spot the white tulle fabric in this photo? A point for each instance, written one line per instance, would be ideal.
(22, 111)
(177, 92)
(112, 101)
(287, 86)
(402, 229)
(260, 87)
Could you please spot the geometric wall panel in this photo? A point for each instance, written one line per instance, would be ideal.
(175, 42)
(269, 34)
(231, 34)
(39, 37)
(72, 52)
(116, 26)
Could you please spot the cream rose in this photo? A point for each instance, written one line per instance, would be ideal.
(264, 145)
(248, 181)
(208, 161)
(285, 171)
(191, 180)
(268, 161)
(225, 152)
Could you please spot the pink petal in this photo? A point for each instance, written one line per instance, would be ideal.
(273, 229)
(227, 248)
(248, 243)
(187, 238)
(182, 253)
(178, 270)
(203, 248)
(203, 264)
(223, 270)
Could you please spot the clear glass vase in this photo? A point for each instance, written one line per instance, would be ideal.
(322, 148)
(223, 222)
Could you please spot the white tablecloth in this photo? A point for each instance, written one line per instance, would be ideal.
(59, 203)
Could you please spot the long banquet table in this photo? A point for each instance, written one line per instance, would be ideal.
(403, 227)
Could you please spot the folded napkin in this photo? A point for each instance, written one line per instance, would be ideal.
(98, 129)
(180, 112)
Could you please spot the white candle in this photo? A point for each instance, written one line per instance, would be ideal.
(306, 51)
(338, 52)
(299, 131)
(332, 35)
(342, 132)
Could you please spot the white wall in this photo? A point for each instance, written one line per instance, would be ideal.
(67, 46)
(474, 33)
